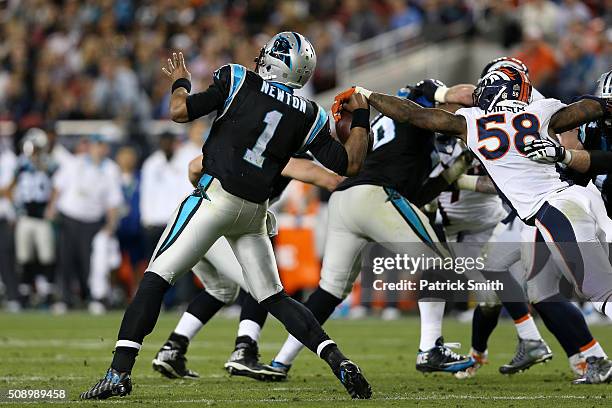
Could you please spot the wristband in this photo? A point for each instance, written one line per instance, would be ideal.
(465, 182)
(567, 158)
(440, 94)
(181, 83)
(363, 91)
(361, 118)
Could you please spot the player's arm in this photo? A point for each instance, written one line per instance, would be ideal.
(185, 107)
(358, 142)
(404, 110)
(583, 161)
(195, 170)
(460, 94)
(310, 172)
(479, 184)
(436, 91)
(433, 186)
(577, 113)
(345, 159)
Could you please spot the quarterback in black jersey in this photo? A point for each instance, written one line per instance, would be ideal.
(222, 284)
(259, 125)
(377, 205)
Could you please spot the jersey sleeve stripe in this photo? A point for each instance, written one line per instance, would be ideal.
(238, 75)
(316, 127)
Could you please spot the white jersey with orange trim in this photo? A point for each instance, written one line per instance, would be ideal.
(497, 138)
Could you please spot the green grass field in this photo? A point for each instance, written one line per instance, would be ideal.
(71, 352)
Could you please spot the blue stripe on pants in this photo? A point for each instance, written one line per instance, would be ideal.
(561, 231)
(188, 208)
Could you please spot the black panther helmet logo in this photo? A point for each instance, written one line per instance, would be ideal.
(280, 50)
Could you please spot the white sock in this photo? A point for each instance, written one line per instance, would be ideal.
(593, 349)
(431, 323)
(289, 351)
(527, 329)
(249, 328)
(188, 326)
(577, 363)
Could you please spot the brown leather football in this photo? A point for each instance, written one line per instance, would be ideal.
(343, 126)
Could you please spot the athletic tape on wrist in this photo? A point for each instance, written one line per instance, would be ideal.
(363, 91)
(440, 94)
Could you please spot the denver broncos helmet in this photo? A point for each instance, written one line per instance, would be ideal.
(502, 84)
(287, 58)
(504, 62)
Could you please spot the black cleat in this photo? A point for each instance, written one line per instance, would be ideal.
(353, 380)
(528, 353)
(171, 362)
(599, 371)
(244, 361)
(113, 384)
(442, 358)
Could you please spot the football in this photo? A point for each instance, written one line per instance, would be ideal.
(343, 126)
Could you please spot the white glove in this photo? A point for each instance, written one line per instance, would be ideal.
(547, 151)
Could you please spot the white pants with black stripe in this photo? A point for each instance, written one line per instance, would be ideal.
(576, 228)
(195, 228)
(370, 213)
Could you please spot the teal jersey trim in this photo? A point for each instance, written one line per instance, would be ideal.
(318, 125)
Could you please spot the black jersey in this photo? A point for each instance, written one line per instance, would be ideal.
(259, 126)
(400, 158)
(33, 186)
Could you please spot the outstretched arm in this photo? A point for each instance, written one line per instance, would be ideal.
(404, 110)
(461, 94)
(176, 70)
(577, 113)
(310, 172)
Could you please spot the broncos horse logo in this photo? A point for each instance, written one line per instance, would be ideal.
(280, 50)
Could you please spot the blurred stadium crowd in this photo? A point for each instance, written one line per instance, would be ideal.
(100, 59)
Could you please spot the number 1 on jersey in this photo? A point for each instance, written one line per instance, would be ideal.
(255, 154)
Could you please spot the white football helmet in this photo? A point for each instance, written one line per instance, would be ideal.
(287, 58)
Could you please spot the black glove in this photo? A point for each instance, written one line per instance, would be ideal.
(426, 89)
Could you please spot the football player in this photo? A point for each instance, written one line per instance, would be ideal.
(221, 274)
(259, 125)
(32, 189)
(556, 311)
(378, 205)
(566, 215)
